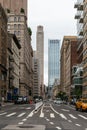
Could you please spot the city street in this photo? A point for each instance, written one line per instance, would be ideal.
(51, 116)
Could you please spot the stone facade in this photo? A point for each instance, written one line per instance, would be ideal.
(17, 24)
(3, 52)
(68, 59)
(13, 66)
(15, 6)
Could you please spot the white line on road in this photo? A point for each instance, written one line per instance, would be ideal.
(28, 108)
(83, 117)
(51, 123)
(58, 113)
(58, 128)
(65, 110)
(21, 115)
(53, 109)
(72, 116)
(24, 119)
(31, 114)
(47, 119)
(69, 121)
(11, 114)
(20, 123)
(52, 115)
(77, 124)
(3, 113)
(42, 114)
(63, 116)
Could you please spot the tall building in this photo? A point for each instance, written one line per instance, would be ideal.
(17, 24)
(53, 61)
(81, 16)
(3, 52)
(40, 55)
(36, 88)
(13, 59)
(68, 59)
(16, 6)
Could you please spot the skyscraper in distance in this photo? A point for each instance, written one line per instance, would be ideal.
(53, 61)
(40, 55)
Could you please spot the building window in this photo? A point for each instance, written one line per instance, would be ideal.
(15, 19)
(19, 19)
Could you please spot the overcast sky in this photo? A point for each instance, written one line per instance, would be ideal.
(57, 18)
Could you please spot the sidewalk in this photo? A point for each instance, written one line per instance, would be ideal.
(6, 104)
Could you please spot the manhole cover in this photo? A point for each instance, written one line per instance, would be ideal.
(26, 126)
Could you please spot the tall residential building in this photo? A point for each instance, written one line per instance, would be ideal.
(13, 59)
(84, 92)
(15, 6)
(3, 52)
(81, 17)
(36, 88)
(68, 60)
(53, 61)
(17, 24)
(40, 56)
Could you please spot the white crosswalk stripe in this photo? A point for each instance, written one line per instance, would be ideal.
(52, 115)
(72, 116)
(63, 116)
(3, 113)
(83, 117)
(11, 114)
(21, 114)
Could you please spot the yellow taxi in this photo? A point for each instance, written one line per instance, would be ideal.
(81, 104)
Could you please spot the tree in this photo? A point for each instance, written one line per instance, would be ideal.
(30, 31)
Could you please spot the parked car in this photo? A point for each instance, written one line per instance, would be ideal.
(19, 100)
(59, 101)
(81, 105)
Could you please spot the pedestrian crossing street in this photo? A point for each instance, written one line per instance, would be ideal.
(41, 115)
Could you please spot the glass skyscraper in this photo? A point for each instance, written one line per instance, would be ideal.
(53, 61)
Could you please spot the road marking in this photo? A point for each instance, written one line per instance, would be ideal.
(24, 119)
(85, 128)
(3, 113)
(20, 123)
(63, 116)
(28, 108)
(69, 121)
(58, 113)
(77, 124)
(83, 117)
(42, 114)
(52, 115)
(72, 116)
(58, 128)
(53, 109)
(47, 119)
(31, 114)
(11, 114)
(51, 123)
(65, 110)
(21, 115)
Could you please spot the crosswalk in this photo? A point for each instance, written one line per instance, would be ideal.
(42, 115)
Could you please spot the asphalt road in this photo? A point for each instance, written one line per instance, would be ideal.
(50, 115)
